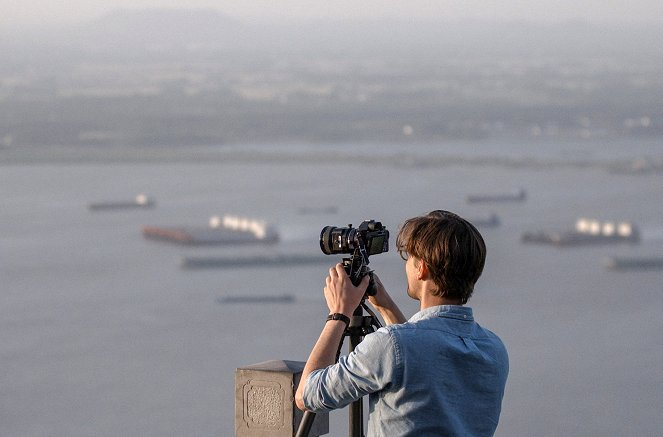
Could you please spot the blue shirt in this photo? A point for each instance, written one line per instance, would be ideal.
(439, 374)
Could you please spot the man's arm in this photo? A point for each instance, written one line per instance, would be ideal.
(342, 297)
(322, 355)
(383, 303)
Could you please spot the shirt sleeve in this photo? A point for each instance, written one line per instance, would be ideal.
(371, 367)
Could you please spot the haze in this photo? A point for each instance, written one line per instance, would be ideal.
(16, 13)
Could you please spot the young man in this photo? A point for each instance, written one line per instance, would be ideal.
(437, 374)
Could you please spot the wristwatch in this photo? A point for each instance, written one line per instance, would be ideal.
(339, 316)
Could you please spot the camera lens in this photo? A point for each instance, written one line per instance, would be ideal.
(336, 240)
(326, 242)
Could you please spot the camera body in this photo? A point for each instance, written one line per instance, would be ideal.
(369, 238)
(370, 234)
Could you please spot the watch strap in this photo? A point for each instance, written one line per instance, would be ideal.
(339, 316)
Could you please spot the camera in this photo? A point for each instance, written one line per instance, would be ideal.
(370, 235)
(369, 238)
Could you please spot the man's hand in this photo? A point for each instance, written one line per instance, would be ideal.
(382, 302)
(381, 298)
(341, 295)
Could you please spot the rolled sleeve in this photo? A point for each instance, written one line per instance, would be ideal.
(369, 368)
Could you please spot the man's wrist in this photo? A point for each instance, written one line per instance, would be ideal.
(340, 317)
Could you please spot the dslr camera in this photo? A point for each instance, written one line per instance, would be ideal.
(369, 238)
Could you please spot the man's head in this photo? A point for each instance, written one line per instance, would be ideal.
(452, 249)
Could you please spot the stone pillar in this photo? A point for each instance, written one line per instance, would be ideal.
(265, 401)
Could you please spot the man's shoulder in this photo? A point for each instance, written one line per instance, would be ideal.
(389, 336)
(479, 332)
(467, 329)
(397, 329)
(399, 332)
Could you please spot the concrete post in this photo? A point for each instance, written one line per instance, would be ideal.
(265, 401)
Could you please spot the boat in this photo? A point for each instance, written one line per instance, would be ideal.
(226, 230)
(638, 166)
(587, 232)
(140, 201)
(519, 196)
(635, 263)
(260, 260)
(248, 298)
(308, 210)
(487, 222)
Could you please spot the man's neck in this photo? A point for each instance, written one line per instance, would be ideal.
(428, 300)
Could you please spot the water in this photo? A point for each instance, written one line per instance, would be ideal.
(102, 333)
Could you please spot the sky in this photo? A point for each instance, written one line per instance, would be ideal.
(20, 12)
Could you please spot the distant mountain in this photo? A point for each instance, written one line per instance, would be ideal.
(161, 33)
(165, 27)
(159, 19)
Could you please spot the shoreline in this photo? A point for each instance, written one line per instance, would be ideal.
(283, 154)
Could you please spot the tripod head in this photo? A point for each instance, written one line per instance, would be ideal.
(356, 267)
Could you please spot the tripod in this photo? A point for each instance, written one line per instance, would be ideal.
(359, 326)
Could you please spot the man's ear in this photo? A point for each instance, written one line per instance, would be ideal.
(422, 270)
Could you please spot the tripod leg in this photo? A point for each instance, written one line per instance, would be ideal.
(306, 424)
(356, 413)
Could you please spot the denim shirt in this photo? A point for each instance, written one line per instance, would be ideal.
(439, 374)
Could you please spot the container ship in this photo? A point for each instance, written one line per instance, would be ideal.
(587, 232)
(257, 260)
(635, 263)
(519, 196)
(226, 230)
(486, 222)
(255, 299)
(140, 201)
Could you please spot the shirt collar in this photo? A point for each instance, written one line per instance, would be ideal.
(448, 311)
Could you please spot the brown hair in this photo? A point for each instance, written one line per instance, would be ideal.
(452, 248)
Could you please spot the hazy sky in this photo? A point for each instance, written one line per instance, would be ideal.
(16, 12)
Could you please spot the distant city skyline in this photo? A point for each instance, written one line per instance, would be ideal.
(33, 12)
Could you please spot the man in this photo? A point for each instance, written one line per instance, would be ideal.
(438, 374)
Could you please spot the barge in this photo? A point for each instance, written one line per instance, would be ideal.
(284, 298)
(635, 263)
(226, 230)
(140, 201)
(267, 260)
(587, 232)
(519, 196)
(491, 221)
(308, 210)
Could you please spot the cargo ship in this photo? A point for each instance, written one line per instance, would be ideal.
(635, 263)
(487, 222)
(638, 166)
(306, 210)
(226, 230)
(587, 232)
(140, 201)
(255, 299)
(259, 260)
(519, 196)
